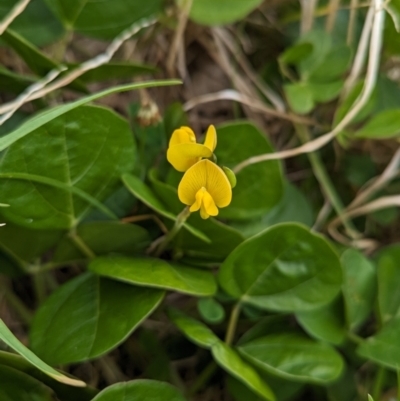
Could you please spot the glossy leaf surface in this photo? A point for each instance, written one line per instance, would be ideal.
(284, 268)
(89, 316)
(157, 273)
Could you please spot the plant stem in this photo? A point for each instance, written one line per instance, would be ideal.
(179, 222)
(379, 383)
(81, 245)
(39, 286)
(324, 180)
(203, 378)
(233, 320)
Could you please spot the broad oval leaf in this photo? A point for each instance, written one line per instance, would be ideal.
(294, 357)
(284, 268)
(16, 385)
(326, 323)
(209, 12)
(359, 287)
(140, 390)
(300, 97)
(157, 273)
(103, 237)
(139, 189)
(8, 338)
(86, 149)
(383, 348)
(89, 316)
(259, 186)
(210, 310)
(389, 283)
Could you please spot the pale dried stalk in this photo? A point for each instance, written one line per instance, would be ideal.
(178, 41)
(332, 12)
(307, 15)
(391, 172)
(23, 98)
(231, 94)
(352, 20)
(10, 17)
(230, 43)
(369, 84)
(361, 53)
(82, 68)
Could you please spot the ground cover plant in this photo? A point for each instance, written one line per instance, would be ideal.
(199, 200)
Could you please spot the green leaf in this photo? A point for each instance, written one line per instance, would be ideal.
(36, 23)
(383, 348)
(194, 330)
(325, 92)
(140, 390)
(86, 149)
(14, 240)
(48, 115)
(300, 97)
(19, 386)
(116, 70)
(230, 361)
(294, 357)
(63, 391)
(8, 337)
(284, 268)
(335, 64)
(103, 237)
(321, 42)
(111, 16)
(37, 61)
(89, 316)
(156, 273)
(294, 54)
(383, 125)
(259, 187)
(145, 195)
(388, 283)
(209, 12)
(359, 287)
(294, 207)
(224, 355)
(211, 310)
(13, 82)
(326, 323)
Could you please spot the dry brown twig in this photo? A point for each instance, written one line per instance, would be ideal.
(44, 89)
(369, 84)
(10, 17)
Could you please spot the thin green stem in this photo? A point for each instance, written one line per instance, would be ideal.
(233, 320)
(324, 180)
(39, 286)
(379, 382)
(20, 308)
(81, 245)
(179, 222)
(203, 378)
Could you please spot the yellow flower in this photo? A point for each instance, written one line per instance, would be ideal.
(183, 151)
(205, 187)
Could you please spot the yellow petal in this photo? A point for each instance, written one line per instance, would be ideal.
(182, 135)
(208, 175)
(199, 200)
(185, 155)
(203, 214)
(209, 204)
(218, 185)
(211, 138)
